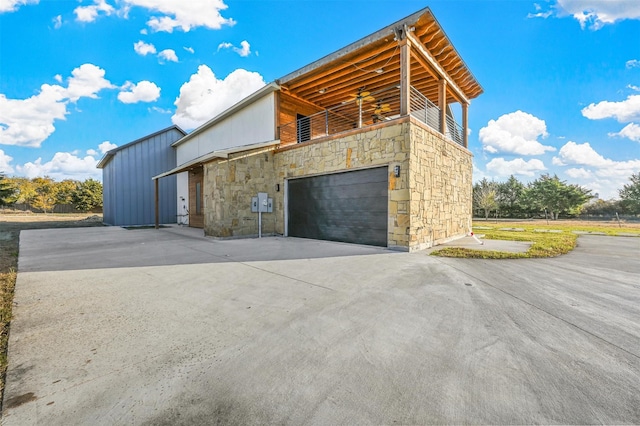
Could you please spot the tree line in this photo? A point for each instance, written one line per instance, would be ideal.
(552, 197)
(44, 193)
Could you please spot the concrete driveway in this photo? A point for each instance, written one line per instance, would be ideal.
(164, 327)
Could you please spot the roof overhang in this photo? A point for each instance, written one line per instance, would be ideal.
(373, 63)
(264, 91)
(215, 155)
(110, 154)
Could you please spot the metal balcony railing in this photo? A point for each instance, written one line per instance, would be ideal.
(364, 110)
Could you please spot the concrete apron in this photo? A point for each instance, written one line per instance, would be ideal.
(153, 327)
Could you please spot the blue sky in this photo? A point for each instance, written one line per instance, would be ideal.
(561, 77)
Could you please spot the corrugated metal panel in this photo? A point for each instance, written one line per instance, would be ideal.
(128, 187)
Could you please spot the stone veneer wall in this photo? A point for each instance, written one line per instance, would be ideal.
(228, 187)
(440, 183)
(381, 146)
(429, 203)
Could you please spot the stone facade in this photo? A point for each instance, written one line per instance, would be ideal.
(429, 203)
(440, 183)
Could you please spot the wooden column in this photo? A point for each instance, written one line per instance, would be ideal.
(442, 104)
(157, 203)
(465, 124)
(405, 77)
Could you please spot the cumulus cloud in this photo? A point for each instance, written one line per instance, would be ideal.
(5, 166)
(143, 49)
(106, 146)
(189, 49)
(57, 22)
(515, 133)
(90, 13)
(184, 15)
(144, 91)
(168, 55)
(63, 165)
(633, 63)
(204, 96)
(592, 14)
(13, 5)
(630, 131)
(519, 166)
(607, 175)
(623, 111)
(244, 50)
(579, 173)
(28, 122)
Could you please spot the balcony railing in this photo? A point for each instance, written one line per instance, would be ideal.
(366, 109)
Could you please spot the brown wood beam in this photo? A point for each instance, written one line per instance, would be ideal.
(426, 55)
(405, 77)
(442, 104)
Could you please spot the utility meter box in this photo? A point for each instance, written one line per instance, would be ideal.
(262, 203)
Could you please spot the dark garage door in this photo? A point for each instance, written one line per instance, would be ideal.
(349, 207)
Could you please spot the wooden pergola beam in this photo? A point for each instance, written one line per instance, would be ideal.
(431, 60)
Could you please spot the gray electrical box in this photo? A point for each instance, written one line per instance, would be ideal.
(262, 203)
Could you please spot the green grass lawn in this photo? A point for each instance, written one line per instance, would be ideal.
(545, 244)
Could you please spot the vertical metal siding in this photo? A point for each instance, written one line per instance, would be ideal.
(128, 188)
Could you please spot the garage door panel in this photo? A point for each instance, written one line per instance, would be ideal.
(349, 207)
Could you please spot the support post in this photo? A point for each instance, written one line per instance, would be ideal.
(442, 104)
(405, 77)
(465, 125)
(157, 196)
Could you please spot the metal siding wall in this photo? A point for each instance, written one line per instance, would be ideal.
(129, 187)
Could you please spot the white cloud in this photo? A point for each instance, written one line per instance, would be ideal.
(90, 13)
(189, 49)
(144, 91)
(633, 63)
(515, 133)
(594, 14)
(579, 173)
(86, 81)
(160, 110)
(63, 165)
(204, 96)
(630, 131)
(634, 88)
(13, 5)
(244, 50)
(57, 22)
(607, 175)
(185, 15)
(519, 166)
(5, 159)
(623, 111)
(58, 78)
(144, 31)
(106, 146)
(28, 122)
(143, 48)
(168, 55)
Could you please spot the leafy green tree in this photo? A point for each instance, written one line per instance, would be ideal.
(46, 193)
(88, 195)
(510, 196)
(23, 191)
(630, 195)
(556, 196)
(65, 190)
(485, 196)
(599, 207)
(6, 190)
